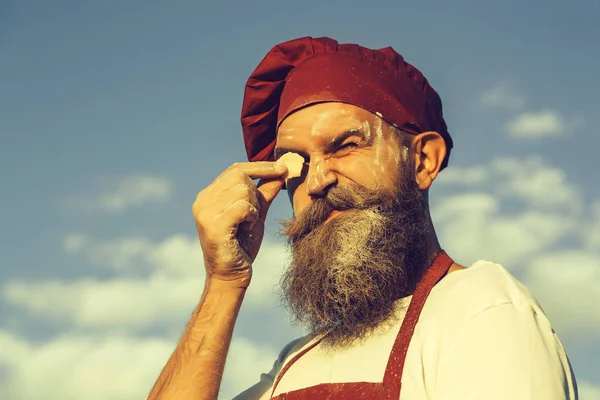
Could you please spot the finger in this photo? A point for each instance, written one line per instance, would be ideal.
(222, 186)
(261, 169)
(245, 191)
(267, 191)
(237, 213)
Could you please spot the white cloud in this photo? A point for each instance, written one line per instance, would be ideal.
(120, 254)
(122, 303)
(245, 363)
(119, 193)
(73, 243)
(168, 290)
(530, 179)
(475, 224)
(116, 367)
(535, 125)
(267, 269)
(541, 185)
(471, 226)
(471, 175)
(136, 190)
(72, 367)
(503, 94)
(567, 283)
(592, 234)
(588, 391)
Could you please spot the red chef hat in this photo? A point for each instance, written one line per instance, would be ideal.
(305, 71)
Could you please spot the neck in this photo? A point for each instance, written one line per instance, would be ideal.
(432, 247)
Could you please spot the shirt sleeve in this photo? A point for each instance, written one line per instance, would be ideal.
(507, 351)
(262, 389)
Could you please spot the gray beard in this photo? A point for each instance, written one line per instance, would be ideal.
(345, 275)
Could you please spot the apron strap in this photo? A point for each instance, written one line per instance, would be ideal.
(395, 366)
(292, 361)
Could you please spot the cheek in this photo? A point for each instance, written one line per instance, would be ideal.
(365, 172)
(300, 202)
(298, 197)
(357, 171)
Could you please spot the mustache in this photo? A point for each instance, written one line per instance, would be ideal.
(338, 198)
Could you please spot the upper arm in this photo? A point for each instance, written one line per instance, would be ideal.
(506, 352)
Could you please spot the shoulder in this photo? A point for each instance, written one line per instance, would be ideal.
(289, 351)
(481, 286)
(484, 292)
(484, 313)
(293, 347)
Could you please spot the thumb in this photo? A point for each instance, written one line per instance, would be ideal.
(267, 191)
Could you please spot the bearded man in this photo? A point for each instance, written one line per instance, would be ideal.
(391, 315)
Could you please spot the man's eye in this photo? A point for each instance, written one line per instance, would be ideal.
(347, 146)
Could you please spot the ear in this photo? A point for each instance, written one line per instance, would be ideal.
(429, 151)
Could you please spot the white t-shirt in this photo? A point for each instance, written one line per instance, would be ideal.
(481, 335)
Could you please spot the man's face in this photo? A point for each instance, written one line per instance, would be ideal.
(341, 143)
(346, 272)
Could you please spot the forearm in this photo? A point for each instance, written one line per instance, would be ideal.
(195, 368)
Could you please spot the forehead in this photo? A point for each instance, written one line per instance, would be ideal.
(320, 120)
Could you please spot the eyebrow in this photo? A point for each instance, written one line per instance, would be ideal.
(329, 147)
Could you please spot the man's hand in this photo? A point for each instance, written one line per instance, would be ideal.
(230, 218)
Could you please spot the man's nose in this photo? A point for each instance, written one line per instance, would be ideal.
(319, 177)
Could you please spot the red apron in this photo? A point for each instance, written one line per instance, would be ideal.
(390, 387)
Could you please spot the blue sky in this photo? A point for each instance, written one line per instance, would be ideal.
(114, 114)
